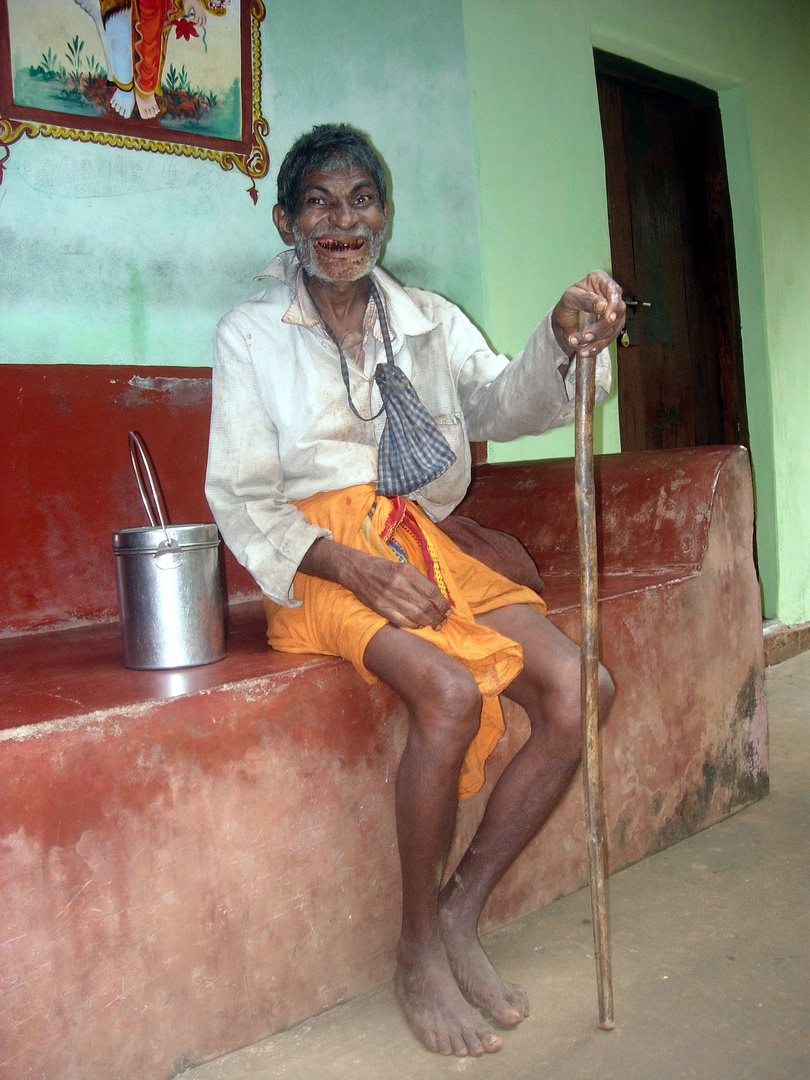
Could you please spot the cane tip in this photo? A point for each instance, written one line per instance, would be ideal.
(608, 1024)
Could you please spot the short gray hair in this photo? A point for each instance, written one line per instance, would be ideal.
(327, 147)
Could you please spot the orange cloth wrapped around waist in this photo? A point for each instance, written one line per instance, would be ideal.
(332, 620)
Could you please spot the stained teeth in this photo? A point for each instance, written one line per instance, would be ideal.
(342, 245)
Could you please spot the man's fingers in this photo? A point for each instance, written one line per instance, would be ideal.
(405, 597)
(600, 303)
(405, 623)
(414, 618)
(425, 610)
(599, 296)
(416, 610)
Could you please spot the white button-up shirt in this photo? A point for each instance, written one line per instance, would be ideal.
(282, 429)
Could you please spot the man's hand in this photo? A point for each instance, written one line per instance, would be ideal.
(597, 300)
(395, 590)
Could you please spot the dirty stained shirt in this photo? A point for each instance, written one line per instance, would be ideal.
(282, 429)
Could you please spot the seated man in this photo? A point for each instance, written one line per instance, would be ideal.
(343, 406)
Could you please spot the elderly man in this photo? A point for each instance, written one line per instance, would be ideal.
(342, 413)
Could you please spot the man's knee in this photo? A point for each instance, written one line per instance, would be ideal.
(566, 690)
(564, 696)
(568, 725)
(445, 705)
(561, 710)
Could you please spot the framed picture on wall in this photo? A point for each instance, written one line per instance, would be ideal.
(168, 76)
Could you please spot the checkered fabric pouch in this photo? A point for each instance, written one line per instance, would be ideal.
(412, 449)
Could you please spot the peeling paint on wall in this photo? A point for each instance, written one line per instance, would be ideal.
(179, 393)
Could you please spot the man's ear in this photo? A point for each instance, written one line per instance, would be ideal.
(282, 223)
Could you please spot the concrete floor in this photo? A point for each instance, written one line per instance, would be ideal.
(710, 957)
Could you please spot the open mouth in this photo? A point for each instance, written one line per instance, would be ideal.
(330, 245)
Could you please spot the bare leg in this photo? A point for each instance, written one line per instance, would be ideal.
(119, 33)
(528, 791)
(444, 708)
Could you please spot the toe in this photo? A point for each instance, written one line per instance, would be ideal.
(460, 1047)
(518, 999)
(507, 1014)
(473, 1041)
(443, 1043)
(492, 1043)
(431, 1041)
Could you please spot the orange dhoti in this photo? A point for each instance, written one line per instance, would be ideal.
(333, 621)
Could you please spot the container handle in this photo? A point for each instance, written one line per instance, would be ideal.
(141, 464)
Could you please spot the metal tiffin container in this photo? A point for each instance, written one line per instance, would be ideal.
(170, 597)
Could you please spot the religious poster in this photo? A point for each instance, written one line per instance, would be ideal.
(169, 76)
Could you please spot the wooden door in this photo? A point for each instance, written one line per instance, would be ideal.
(680, 374)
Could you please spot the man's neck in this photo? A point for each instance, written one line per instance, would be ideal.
(342, 304)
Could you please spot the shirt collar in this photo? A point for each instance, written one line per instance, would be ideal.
(404, 317)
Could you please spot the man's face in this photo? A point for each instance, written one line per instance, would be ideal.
(339, 225)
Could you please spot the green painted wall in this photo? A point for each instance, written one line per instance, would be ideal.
(543, 215)
(119, 256)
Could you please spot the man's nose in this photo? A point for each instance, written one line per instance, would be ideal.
(344, 214)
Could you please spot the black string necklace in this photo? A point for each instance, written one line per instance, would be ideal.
(344, 367)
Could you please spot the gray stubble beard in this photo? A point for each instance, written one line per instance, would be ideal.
(308, 256)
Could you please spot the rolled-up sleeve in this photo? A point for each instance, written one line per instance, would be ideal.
(244, 481)
(535, 391)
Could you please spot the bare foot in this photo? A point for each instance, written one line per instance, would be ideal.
(123, 101)
(505, 1002)
(147, 106)
(436, 1010)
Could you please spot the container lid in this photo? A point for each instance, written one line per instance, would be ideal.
(145, 541)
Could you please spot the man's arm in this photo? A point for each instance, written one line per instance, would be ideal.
(535, 391)
(244, 478)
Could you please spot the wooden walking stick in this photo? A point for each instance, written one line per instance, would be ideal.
(589, 668)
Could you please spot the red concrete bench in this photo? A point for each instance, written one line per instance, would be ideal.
(191, 860)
